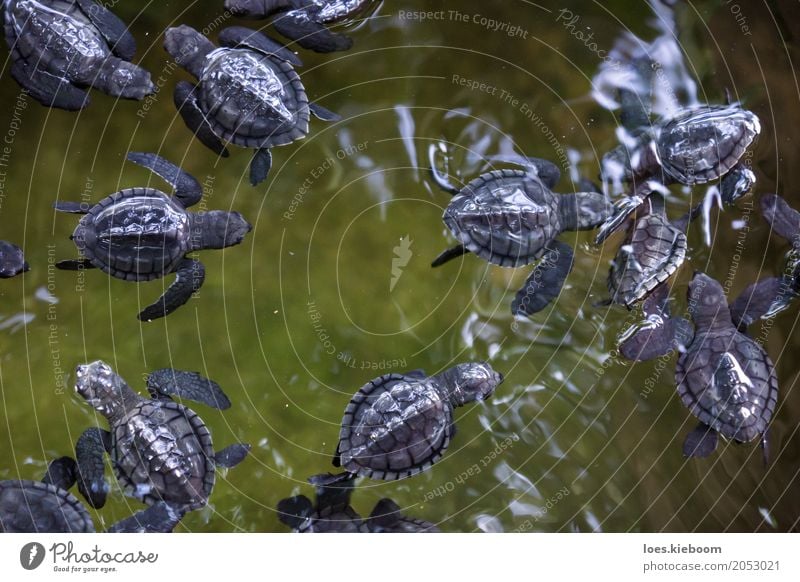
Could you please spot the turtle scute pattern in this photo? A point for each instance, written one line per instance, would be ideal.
(36, 507)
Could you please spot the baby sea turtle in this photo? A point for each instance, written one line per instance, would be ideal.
(160, 450)
(141, 234)
(247, 93)
(305, 21)
(400, 424)
(47, 507)
(12, 261)
(59, 47)
(512, 218)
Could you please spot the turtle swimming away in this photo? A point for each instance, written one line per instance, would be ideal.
(247, 93)
(60, 47)
(12, 261)
(160, 450)
(141, 234)
(512, 218)
(305, 21)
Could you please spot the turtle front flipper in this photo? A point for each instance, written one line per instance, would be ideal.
(111, 27)
(256, 8)
(169, 382)
(260, 166)
(385, 516)
(89, 451)
(185, 100)
(161, 517)
(322, 113)
(701, 442)
(48, 89)
(545, 282)
(62, 472)
(736, 184)
(309, 34)
(187, 190)
(231, 455)
(784, 219)
(293, 511)
(189, 278)
(239, 36)
(72, 207)
(449, 255)
(329, 479)
(543, 169)
(761, 300)
(12, 260)
(622, 211)
(659, 333)
(74, 264)
(335, 495)
(442, 180)
(188, 47)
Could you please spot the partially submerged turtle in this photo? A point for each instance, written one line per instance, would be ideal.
(305, 21)
(47, 506)
(160, 450)
(400, 424)
(247, 92)
(59, 47)
(332, 513)
(12, 261)
(141, 234)
(512, 218)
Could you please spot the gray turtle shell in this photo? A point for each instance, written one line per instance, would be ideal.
(651, 253)
(703, 144)
(162, 451)
(505, 217)
(137, 234)
(728, 382)
(36, 507)
(253, 100)
(394, 427)
(55, 36)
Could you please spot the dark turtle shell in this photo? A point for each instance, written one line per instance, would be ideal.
(332, 11)
(253, 100)
(703, 144)
(505, 217)
(36, 507)
(652, 252)
(394, 427)
(728, 382)
(136, 234)
(54, 36)
(162, 451)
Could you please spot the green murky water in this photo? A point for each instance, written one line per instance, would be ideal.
(308, 309)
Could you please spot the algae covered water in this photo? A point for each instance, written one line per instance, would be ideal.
(333, 286)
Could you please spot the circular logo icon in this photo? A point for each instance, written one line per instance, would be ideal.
(31, 555)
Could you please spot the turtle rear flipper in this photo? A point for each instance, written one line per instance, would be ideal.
(187, 189)
(701, 442)
(295, 510)
(310, 34)
(169, 382)
(48, 89)
(784, 219)
(545, 282)
(161, 517)
(189, 278)
(231, 455)
(239, 36)
(260, 166)
(188, 47)
(449, 255)
(89, 451)
(111, 27)
(322, 113)
(62, 472)
(185, 99)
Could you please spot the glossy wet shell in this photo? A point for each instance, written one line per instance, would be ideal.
(137, 234)
(55, 36)
(702, 145)
(727, 381)
(395, 427)
(338, 10)
(253, 100)
(505, 217)
(162, 451)
(36, 507)
(650, 255)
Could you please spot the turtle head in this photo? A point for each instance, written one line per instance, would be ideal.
(707, 302)
(469, 382)
(101, 387)
(126, 80)
(584, 210)
(217, 229)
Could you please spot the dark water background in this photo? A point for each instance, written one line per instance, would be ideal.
(292, 322)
